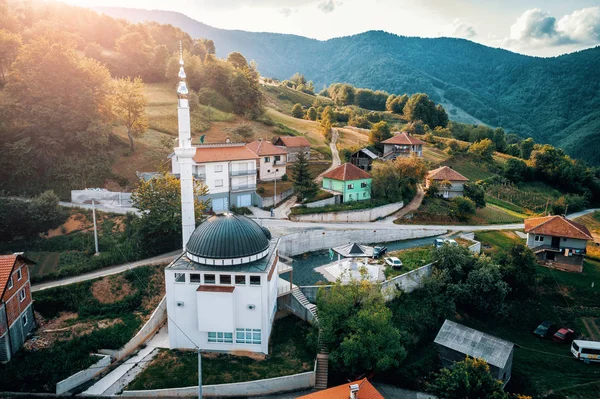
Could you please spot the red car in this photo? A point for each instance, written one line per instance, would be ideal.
(563, 335)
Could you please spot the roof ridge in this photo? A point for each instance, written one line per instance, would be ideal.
(576, 226)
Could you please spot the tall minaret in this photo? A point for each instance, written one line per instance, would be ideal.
(185, 152)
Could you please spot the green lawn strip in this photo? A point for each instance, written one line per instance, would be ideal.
(516, 215)
(40, 370)
(498, 241)
(412, 259)
(504, 204)
(349, 206)
(288, 354)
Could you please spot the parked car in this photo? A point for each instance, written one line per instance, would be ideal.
(439, 242)
(379, 251)
(543, 330)
(393, 262)
(563, 335)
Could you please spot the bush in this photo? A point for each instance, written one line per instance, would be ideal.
(240, 210)
(285, 177)
(462, 208)
(297, 111)
(244, 130)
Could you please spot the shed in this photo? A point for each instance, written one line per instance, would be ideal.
(454, 342)
(363, 158)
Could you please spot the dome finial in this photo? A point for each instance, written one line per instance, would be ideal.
(182, 89)
(180, 53)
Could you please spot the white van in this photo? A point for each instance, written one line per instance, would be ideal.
(586, 351)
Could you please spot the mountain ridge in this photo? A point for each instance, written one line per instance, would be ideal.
(544, 98)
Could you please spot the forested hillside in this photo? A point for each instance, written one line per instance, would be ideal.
(554, 100)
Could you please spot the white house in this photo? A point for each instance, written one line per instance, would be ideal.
(228, 170)
(558, 242)
(272, 162)
(222, 292)
(444, 174)
(402, 145)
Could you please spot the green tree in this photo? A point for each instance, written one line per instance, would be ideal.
(483, 149)
(395, 104)
(303, 180)
(462, 208)
(475, 193)
(484, 291)
(311, 114)
(237, 60)
(499, 139)
(159, 200)
(342, 94)
(9, 48)
(356, 326)
(298, 80)
(515, 170)
(327, 120)
(379, 132)
(442, 116)
(526, 147)
(298, 111)
(20, 219)
(397, 180)
(420, 107)
(519, 269)
(467, 379)
(129, 105)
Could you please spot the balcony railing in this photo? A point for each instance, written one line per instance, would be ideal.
(200, 176)
(279, 163)
(283, 268)
(248, 172)
(243, 187)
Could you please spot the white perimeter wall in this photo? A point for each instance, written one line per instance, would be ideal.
(362, 215)
(83, 376)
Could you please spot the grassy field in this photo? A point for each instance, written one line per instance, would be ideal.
(494, 242)
(412, 259)
(85, 317)
(288, 354)
(351, 139)
(283, 98)
(310, 129)
(531, 197)
(469, 169)
(434, 155)
(269, 187)
(592, 222)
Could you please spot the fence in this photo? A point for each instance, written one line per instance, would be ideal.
(101, 197)
(266, 202)
(240, 389)
(361, 215)
(157, 319)
(83, 376)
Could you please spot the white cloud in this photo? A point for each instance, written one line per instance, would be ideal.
(328, 6)
(287, 11)
(462, 29)
(582, 26)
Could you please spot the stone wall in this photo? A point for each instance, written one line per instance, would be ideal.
(362, 215)
(241, 389)
(317, 240)
(83, 376)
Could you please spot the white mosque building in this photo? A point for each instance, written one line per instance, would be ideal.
(222, 291)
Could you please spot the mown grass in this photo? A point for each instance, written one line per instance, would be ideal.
(468, 168)
(499, 241)
(283, 98)
(267, 189)
(434, 155)
(348, 206)
(289, 354)
(411, 258)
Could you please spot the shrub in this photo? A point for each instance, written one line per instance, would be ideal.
(297, 111)
(462, 208)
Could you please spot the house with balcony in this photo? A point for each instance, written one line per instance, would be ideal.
(402, 145)
(272, 160)
(348, 181)
(451, 183)
(558, 242)
(16, 304)
(294, 145)
(228, 170)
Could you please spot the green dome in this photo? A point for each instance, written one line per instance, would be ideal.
(228, 236)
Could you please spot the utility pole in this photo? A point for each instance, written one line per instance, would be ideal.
(199, 373)
(95, 227)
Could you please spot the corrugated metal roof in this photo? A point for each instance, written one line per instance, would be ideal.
(369, 153)
(493, 350)
(354, 250)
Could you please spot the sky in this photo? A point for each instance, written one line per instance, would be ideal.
(533, 27)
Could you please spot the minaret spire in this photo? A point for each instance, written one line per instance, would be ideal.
(185, 152)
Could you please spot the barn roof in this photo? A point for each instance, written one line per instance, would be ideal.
(474, 343)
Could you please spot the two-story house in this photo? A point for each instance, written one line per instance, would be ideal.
(294, 145)
(558, 242)
(16, 305)
(402, 145)
(229, 172)
(445, 175)
(349, 181)
(272, 162)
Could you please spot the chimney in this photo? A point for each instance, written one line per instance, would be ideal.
(354, 391)
(227, 140)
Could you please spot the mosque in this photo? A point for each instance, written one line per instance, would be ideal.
(222, 291)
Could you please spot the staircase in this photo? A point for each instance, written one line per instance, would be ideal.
(311, 307)
(322, 371)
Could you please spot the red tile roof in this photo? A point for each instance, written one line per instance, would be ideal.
(215, 288)
(237, 152)
(403, 139)
(366, 391)
(347, 172)
(557, 226)
(297, 141)
(445, 173)
(7, 263)
(263, 147)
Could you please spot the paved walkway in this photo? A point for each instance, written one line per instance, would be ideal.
(335, 155)
(156, 260)
(412, 205)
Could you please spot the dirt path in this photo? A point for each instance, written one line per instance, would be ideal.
(412, 205)
(335, 155)
(592, 327)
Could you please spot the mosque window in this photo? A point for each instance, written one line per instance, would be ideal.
(247, 336)
(209, 279)
(225, 279)
(195, 278)
(180, 277)
(254, 280)
(225, 337)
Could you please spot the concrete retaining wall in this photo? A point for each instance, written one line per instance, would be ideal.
(241, 389)
(320, 203)
(101, 197)
(362, 215)
(317, 240)
(158, 318)
(265, 202)
(83, 376)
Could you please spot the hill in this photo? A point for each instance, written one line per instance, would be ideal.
(554, 100)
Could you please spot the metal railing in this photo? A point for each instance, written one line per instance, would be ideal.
(283, 268)
(247, 172)
(243, 187)
(279, 163)
(201, 176)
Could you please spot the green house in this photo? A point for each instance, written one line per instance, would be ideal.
(351, 182)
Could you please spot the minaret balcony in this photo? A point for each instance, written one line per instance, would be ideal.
(243, 187)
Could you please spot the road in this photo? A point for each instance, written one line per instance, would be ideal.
(335, 155)
(155, 260)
